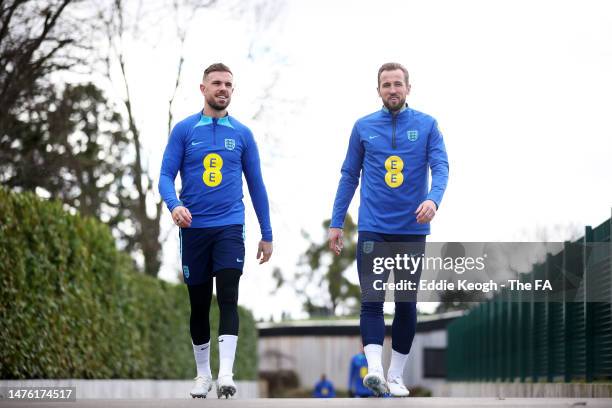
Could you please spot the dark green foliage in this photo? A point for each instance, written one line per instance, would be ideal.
(71, 305)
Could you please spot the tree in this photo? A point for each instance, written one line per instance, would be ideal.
(63, 141)
(328, 276)
(37, 38)
(69, 143)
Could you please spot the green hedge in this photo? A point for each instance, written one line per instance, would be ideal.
(72, 306)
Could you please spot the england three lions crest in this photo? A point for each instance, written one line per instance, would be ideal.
(230, 144)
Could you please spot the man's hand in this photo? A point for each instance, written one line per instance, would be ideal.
(335, 240)
(425, 212)
(181, 217)
(264, 251)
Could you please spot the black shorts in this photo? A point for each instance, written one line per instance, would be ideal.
(205, 251)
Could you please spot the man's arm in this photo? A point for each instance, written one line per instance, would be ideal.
(438, 162)
(351, 169)
(252, 172)
(332, 390)
(171, 163)
(317, 390)
(352, 374)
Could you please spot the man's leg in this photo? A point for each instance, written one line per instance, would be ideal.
(404, 324)
(227, 298)
(371, 321)
(372, 326)
(403, 330)
(228, 255)
(197, 273)
(200, 297)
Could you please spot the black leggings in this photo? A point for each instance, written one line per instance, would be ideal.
(200, 297)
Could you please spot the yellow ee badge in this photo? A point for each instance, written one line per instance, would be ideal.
(212, 174)
(394, 177)
(363, 371)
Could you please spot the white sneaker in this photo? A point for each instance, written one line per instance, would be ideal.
(376, 383)
(225, 386)
(397, 388)
(202, 386)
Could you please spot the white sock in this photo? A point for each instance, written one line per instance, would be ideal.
(373, 353)
(201, 353)
(227, 352)
(398, 362)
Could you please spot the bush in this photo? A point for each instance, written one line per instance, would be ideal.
(72, 305)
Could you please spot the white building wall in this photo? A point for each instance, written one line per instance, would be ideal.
(311, 356)
(414, 371)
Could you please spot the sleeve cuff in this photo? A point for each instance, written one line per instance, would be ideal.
(336, 224)
(177, 204)
(436, 202)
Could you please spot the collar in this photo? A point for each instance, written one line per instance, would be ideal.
(208, 120)
(384, 109)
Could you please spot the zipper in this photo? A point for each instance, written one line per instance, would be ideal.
(214, 131)
(393, 125)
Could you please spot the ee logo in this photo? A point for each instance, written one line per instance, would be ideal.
(363, 371)
(212, 174)
(394, 177)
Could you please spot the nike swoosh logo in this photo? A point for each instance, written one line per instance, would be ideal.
(238, 260)
(373, 137)
(220, 340)
(203, 348)
(195, 143)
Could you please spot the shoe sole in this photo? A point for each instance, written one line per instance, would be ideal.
(226, 391)
(200, 395)
(374, 384)
(403, 394)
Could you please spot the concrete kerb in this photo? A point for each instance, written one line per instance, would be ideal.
(525, 390)
(131, 389)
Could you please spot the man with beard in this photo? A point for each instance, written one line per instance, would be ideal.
(392, 150)
(211, 149)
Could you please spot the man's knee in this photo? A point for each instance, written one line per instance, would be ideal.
(227, 286)
(372, 308)
(405, 309)
(228, 295)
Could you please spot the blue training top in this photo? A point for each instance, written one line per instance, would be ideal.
(324, 389)
(211, 155)
(393, 155)
(358, 370)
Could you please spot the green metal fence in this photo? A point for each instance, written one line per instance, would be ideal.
(509, 339)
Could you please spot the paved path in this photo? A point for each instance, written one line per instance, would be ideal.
(333, 403)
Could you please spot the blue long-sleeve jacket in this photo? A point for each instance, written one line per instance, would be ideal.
(358, 370)
(211, 155)
(393, 155)
(324, 389)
